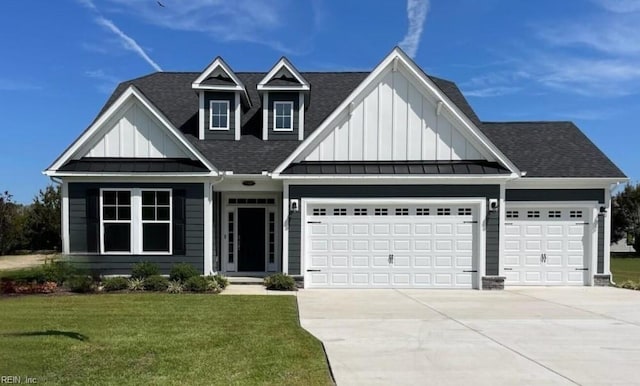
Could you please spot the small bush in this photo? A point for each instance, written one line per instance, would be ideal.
(175, 287)
(196, 284)
(144, 270)
(135, 284)
(25, 276)
(280, 282)
(222, 281)
(213, 285)
(156, 283)
(58, 271)
(183, 272)
(116, 283)
(81, 284)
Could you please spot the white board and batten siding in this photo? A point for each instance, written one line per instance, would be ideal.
(394, 121)
(134, 133)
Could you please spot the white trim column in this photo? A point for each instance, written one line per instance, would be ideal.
(238, 117)
(285, 227)
(607, 232)
(64, 216)
(201, 113)
(208, 228)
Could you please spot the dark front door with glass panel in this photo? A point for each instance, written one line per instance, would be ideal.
(251, 239)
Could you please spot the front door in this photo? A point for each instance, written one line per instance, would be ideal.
(251, 239)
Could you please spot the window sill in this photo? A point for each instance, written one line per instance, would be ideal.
(218, 129)
(287, 130)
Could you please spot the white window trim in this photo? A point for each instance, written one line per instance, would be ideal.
(170, 222)
(136, 221)
(211, 102)
(287, 103)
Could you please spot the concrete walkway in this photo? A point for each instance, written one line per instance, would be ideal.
(521, 336)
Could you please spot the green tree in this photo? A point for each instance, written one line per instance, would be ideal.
(12, 218)
(43, 220)
(625, 215)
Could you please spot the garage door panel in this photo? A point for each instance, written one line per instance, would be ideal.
(545, 246)
(384, 246)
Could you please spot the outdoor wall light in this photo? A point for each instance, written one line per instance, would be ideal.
(493, 204)
(294, 205)
(603, 210)
(248, 183)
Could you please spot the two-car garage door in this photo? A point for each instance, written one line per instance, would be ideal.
(382, 245)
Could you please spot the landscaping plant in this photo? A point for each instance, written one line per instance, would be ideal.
(156, 283)
(144, 269)
(183, 272)
(280, 282)
(136, 284)
(116, 283)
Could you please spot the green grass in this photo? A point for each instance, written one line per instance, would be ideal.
(625, 268)
(158, 339)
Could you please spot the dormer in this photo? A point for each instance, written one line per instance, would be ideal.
(221, 97)
(284, 96)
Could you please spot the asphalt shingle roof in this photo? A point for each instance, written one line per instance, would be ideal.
(550, 149)
(543, 149)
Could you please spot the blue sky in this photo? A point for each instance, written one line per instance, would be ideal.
(573, 60)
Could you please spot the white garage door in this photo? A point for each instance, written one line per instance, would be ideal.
(546, 246)
(389, 246)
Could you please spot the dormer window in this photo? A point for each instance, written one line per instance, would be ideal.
(283, 116)
(218, 115)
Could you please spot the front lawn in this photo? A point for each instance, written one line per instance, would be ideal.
(158, 339)
(625, 268)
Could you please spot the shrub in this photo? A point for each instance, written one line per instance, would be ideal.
(213, 285)
(156, 283)
(144, 269)
(135, 284)
(58, 271)
(25, 276)
(222, 281)
(280, 282)
(196, 284)
(116, 283)
(175, 287)
(81, 284)
(629, 284)
(183, 272)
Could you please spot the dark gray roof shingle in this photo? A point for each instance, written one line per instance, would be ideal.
(543, 149)
(550, 149)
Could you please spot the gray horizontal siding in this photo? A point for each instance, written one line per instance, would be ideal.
(284, 97)
(220, 134)
(555, 195)
(389, 191)
(121, 264)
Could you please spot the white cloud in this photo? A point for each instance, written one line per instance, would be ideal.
(417, 14)
(619, 6)
(106, 83)
(491, 91)
(224, 20)
(127, 42)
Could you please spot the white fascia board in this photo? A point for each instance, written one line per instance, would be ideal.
(283, 88)
(283, 62)
(398, 55)
(563, 183)
(131, 92)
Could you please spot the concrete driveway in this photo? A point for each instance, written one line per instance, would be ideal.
(551, 336)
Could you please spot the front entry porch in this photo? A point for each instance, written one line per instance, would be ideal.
(249, 234)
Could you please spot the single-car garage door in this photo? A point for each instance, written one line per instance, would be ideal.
(383, 245)
(547, 245)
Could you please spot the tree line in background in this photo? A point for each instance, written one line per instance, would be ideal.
(32, 227)
(625, 216)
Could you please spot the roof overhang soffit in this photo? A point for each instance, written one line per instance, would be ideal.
(219, 64)
(96, 127)
(392, 62)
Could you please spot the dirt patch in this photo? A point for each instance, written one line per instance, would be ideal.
(22, 261)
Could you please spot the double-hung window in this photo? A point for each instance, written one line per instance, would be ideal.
(116, 221)
(156, 221)
(136, 221)
(283, 116)
(218, 115)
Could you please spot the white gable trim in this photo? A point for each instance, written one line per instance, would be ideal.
(89, 134)
(283, 63)
(395, 58)
(218, 62)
